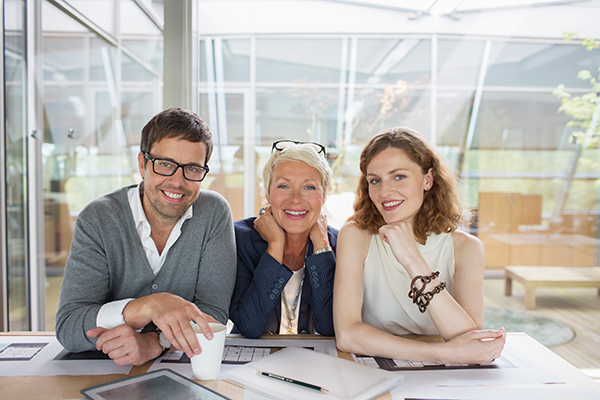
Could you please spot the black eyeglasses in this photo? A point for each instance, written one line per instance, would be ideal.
(281, 145)
(191, 172)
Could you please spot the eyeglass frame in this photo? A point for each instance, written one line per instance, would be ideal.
(148, 157)
(321, 147)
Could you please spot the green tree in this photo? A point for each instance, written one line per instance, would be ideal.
(585, 109)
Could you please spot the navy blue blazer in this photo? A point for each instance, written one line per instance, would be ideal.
(256, 303)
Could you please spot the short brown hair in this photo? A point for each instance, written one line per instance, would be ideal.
(442, 208)
(177, 123)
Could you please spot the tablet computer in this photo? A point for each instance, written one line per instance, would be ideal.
(156, 385)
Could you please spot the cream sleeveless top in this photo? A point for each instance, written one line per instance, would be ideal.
(386, 305)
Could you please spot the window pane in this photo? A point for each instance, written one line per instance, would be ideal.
(101, 12)
(202, 66)
(138, 107)
(459, 62)
(63, 57)
(454, 109)
(132, 71)
(149, 48)
(102, 59)
(539, 65)
(394, 105)
(536, 200)
(135, 22)
(298, 113)
(390, 61)
(236, 60)
(232, 54)
(513, 120)
(298, 60)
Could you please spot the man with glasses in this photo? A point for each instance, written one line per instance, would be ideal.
(148, 259)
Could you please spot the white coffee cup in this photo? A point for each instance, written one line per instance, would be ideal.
(207, 364)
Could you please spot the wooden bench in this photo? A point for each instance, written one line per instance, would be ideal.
(534, 276)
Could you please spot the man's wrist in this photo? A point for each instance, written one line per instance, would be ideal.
(137, 312)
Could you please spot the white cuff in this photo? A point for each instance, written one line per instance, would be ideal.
(111, 314)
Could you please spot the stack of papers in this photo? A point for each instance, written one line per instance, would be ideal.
(343, 379)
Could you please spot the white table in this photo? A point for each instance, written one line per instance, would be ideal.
(536, 364)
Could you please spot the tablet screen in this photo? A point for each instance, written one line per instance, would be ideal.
(157, 385)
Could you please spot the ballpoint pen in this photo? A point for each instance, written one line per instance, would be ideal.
(289, 380)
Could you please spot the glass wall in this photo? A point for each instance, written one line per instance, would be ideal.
(100, 87)
(97, 78)
(487, 103)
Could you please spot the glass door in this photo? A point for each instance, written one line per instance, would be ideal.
(16, 311)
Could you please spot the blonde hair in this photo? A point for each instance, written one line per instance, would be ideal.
(298, 152)
(443, 205)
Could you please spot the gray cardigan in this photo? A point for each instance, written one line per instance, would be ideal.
(107, 263)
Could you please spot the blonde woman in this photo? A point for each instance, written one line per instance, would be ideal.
(286, 255)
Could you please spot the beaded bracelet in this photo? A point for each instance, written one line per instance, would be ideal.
(422, 299)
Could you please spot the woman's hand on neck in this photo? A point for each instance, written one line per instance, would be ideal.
(295, 250)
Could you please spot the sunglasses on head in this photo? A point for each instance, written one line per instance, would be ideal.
(281, 145)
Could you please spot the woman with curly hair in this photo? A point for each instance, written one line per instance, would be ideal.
(402, 265)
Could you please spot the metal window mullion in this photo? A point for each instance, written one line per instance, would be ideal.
(339, 134)
(212, 95)
(434, 90)
(35, 199)
(221, 100)
(3, 211)
(249, 177)
(351, 110)
(478, 94)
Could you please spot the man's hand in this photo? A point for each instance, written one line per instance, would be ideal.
(126, 346)
(172, 315)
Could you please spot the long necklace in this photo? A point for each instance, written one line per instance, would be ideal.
(291, 314)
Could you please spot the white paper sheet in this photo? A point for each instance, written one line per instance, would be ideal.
(551, 392)
(343, 379)
(324, 346)
(44, 364)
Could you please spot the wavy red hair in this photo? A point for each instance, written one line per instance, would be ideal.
(442, 208)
